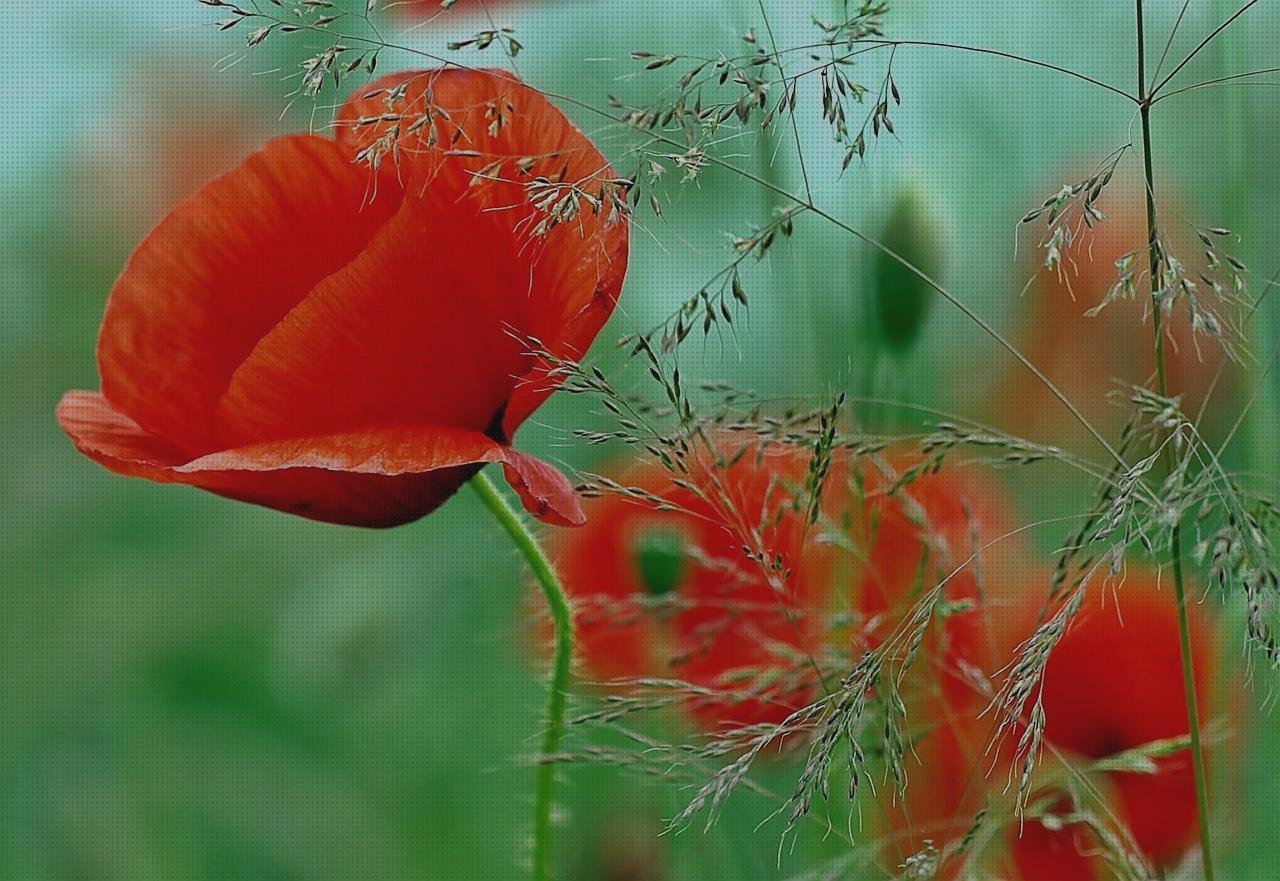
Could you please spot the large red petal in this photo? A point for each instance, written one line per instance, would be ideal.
(222, 269)
(494, 124)
(379, 477)
(1095, 712)
(1040, 854)
(413, 330)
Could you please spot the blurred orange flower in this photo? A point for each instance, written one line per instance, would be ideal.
(1089, 357)
(663, 587)
(950, 525)
(954, 526)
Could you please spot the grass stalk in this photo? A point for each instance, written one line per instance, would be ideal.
(1175, 538)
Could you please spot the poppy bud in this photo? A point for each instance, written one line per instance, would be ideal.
(902, 299)
(659, 559)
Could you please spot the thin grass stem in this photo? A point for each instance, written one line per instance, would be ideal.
(1218, 81)
(1197, 50)
(1175, 538)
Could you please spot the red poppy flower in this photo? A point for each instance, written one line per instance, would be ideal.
(351, 344)
(912, 540)
(1114, 683)
(949, 525)
(1089, 357)
(671, 593)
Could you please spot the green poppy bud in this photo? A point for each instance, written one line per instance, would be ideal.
(660, 560)
(901, 298)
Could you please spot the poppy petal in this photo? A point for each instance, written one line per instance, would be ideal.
(221, 270)
(99, 430)
(413, 330)
(587, 275)
(501, 144)
(379, 477)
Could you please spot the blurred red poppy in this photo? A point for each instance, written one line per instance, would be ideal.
(349, 344)
(671, 593)
(1090, 357)
(1113, 684)
(952, 525)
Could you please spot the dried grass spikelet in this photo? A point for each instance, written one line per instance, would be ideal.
(1090, 356)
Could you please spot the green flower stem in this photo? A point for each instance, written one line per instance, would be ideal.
(517, 528)
(1175, 543)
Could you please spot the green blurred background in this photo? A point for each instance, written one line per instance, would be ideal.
(193, 689)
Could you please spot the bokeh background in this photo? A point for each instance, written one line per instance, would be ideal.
(196, 690)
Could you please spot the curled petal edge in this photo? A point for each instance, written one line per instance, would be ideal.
(381, 476)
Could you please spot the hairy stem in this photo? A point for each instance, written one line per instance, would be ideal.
(544, 787)
(1175, 538)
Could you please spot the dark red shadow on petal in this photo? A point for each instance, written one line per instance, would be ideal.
(377, 478)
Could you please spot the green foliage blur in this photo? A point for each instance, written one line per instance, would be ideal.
(197, 690)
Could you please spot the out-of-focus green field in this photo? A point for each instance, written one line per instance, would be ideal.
(196, 690)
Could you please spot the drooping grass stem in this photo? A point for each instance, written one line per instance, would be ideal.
(1175, 538)
(526, 543)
